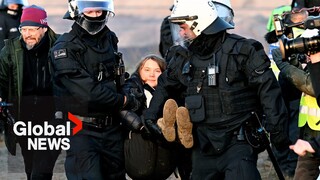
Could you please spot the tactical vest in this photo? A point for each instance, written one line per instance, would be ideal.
(94, 61)
(231, 97)
(309, 112)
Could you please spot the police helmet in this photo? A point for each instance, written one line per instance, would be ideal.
(77, 7)
(200, 15)
(224, 2)
(92, 25)
(21, 2)
(225, 10)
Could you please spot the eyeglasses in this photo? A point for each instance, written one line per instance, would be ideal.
(30, 30)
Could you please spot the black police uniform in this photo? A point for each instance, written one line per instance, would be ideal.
(244, 83)
(84, 85)
(9, 24)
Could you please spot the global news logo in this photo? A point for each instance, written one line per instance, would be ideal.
(47, 136)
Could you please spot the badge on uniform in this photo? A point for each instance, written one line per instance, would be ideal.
(60, 53)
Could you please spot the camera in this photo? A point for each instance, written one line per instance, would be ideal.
(285, 22)
(300, 46)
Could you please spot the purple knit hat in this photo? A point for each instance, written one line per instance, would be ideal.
(33, 16)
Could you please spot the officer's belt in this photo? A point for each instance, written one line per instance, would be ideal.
(96, 122)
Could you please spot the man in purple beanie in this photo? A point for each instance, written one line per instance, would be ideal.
(26, 82)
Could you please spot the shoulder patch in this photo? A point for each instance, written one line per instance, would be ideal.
(60, 53)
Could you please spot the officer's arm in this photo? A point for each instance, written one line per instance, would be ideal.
(269, 92)
(96, 95)
(263, 79)
(81, 85)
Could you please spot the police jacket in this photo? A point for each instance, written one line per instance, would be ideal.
(13, 68)
(83, 72)
(245, 82)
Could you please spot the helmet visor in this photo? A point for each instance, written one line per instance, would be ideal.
(180, 36)
(182, 19)
(217, 26)
(225, 13)
(90, 5)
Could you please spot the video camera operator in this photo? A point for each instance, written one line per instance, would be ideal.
(286, 158)
(302, 147)
(289, 57)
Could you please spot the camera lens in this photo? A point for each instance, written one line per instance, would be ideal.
(299, 46)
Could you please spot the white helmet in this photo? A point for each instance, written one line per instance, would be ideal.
(225, 10)
(224, 2)
(199, 15)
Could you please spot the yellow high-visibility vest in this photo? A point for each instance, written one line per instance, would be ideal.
(309, 112)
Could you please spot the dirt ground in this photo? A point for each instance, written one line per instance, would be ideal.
(137, 25)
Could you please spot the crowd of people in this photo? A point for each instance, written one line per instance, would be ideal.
(193, 109)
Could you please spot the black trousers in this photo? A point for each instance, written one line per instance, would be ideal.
(239, 161)
(39, 164)
(97, 155)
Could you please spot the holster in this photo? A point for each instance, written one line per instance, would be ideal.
(253, 133)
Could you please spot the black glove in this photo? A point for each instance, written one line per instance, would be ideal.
(131, 120)
(131, 103)
(153, 128)
(280, 140)
(136, 93)
(277, 57)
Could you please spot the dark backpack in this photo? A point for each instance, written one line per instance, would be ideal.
(146, 159)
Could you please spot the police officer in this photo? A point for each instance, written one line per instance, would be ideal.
(226, 78)
(83, 62)
(10, 14)
(167, 39)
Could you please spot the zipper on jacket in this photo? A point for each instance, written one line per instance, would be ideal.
(44, 77)
(37, 67)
